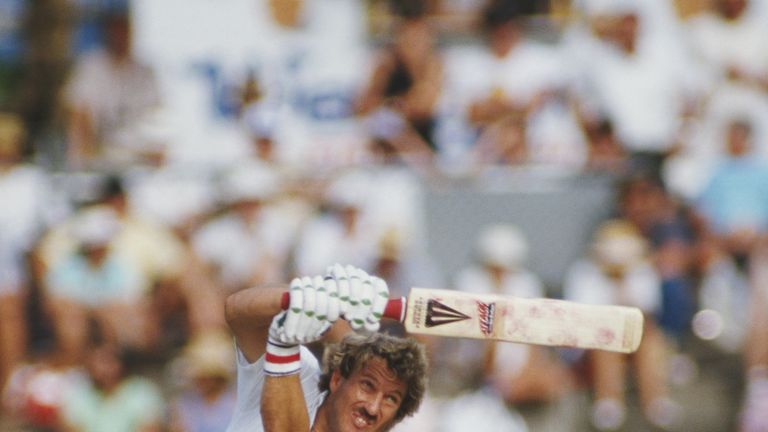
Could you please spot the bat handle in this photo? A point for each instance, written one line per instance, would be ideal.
(395, 308)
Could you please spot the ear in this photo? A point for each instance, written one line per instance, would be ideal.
(335, 382)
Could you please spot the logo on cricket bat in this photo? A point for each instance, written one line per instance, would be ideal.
(439, 314)
(485, 315)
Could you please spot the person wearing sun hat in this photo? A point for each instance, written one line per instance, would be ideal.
(208, 400)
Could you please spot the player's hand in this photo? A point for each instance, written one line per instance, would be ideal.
(313, 308)
(362, 297)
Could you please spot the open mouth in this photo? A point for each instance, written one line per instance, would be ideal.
(362, 420)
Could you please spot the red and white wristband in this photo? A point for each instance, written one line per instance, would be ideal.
(282, 360)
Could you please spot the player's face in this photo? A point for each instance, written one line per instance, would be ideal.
(366, 401)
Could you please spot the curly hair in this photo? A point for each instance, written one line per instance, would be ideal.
(404, 356)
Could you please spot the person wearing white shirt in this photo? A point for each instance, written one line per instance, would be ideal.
(617, 271)
(107, 94)
(512, 75)
(639, 79)
(729, 40)
(248, 243)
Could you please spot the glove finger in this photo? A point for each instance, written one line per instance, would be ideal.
(380, 299)
(321, 298)
(360, 298)
(342, 282)
(315, 322)
(333, 311)
(307, 317)
(295, 310)
(366, 300)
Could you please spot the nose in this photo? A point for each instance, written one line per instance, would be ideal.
(373, 405)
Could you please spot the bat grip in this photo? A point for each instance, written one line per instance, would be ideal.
(395, 308)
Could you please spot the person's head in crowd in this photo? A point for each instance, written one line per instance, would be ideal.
(13, 133)
(615, 21)
(627, 30)
(261, 124)
(105, 366)
(94, 229)
(414, 39)
(106, 363)
(641, 198)
(731, 10)
(617, 246)
(606, 152)
(389, 253)
(413, 36)
(345, 196)
(502, 248)
(738, 138)
(502, 25)
(383, 152)
(209, 362)
(113, 194)
(286, 13)
(116, 24)
(247, 188)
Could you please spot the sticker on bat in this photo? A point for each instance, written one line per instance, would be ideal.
(485, 314)
(440, 314)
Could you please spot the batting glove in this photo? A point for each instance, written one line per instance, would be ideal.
(309, 316)
(362, 297)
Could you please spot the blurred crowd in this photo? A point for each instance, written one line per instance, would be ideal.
(125, 220)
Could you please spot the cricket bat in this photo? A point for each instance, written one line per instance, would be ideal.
(539, 321)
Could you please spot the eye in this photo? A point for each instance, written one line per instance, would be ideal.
(367, 385)
(393, 399)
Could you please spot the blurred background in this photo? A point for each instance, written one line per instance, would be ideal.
(156, 156)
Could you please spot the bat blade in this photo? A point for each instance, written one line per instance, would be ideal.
(541, 321)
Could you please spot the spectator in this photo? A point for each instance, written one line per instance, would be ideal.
(734, 202)
(636, 78)
(724, 295)
(29, 206)
(734, 220)
(175, 290)
(407, 76)
(514, 76)
(107, 94)
(755, 402)
(670, 230)
(402, 265)
(503, 143)
(113, 398)
(606, 153)
(49, 33)
(618, 272)
(96, 284)
(343, 232)
(728, 39)
(38, 389)
(518, 373)
(207, 402)
(248, 243)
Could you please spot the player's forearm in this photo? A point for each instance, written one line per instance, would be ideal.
(254, 306)
(282, 404)
(249, 313)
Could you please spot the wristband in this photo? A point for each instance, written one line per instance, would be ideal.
(281, 360)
